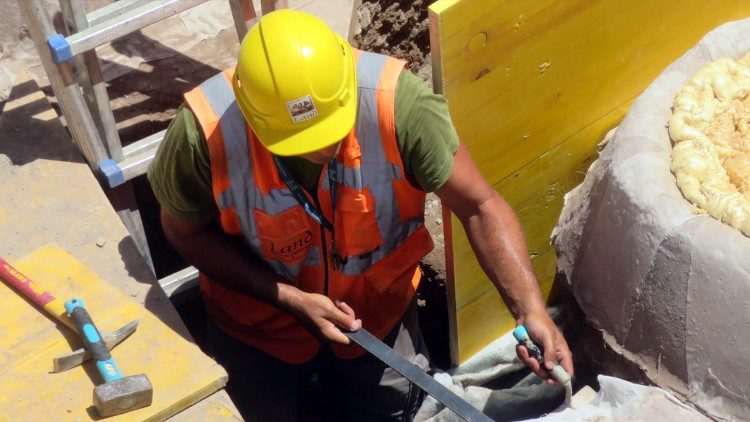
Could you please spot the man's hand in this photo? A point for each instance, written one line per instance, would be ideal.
(228, 260)
(322, 318)
(544, 332)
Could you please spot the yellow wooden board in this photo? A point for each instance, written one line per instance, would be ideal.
(180, 373)
(538, 203)
(532, 87)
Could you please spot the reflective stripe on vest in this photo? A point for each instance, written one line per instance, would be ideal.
(242, 194)
(375, 173)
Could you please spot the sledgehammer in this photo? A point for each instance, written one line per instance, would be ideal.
(118, 394)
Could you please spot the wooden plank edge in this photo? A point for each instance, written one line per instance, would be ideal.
(441, 6)
(450, 286)
(437, 70)
(434, 11)
(190, 399)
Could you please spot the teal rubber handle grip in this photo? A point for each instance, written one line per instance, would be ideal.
(522, 336)
(92, 340)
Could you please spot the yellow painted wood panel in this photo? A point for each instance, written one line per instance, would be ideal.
(537, 191)
(532, 87)
(547, 60)
(180, 373)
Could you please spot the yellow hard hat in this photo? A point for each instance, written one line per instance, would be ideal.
(295, 83)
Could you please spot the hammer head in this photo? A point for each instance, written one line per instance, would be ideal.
(123, 395)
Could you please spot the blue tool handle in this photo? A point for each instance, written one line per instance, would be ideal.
(93, 340)
(522, 336)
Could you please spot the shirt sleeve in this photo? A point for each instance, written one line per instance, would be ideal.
(426, 136)
(180, 174)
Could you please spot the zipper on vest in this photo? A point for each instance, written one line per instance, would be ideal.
(323, 252)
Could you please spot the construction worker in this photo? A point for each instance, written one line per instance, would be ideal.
(295, 183)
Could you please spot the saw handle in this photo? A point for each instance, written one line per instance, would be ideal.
(93, 340)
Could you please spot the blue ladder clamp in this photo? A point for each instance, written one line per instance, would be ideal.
(112, 172)
(59, 48)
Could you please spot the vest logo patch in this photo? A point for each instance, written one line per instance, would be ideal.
(291, 249)
(302, 109)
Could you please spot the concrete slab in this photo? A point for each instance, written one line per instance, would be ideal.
(336, 13)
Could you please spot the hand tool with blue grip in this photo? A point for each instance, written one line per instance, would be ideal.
(522, 336)
(93, 341)
(118, 394)
(45, 300)
(558, 372)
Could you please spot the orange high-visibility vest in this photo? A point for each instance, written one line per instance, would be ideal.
(378, 218)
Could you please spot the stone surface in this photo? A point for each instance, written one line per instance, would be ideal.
(669, 285)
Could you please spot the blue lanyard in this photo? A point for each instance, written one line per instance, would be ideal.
(300, 196)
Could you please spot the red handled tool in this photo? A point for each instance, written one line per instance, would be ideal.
(55, 307)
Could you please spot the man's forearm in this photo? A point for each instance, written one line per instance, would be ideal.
(226, 260)
(497, 239)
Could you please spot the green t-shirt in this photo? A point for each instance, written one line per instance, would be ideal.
(180, 174)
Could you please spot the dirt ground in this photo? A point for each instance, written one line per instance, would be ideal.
(399, 29)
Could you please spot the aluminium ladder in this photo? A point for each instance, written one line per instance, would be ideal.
(85, 102)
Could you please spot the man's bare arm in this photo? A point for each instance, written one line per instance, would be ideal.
(497, 239)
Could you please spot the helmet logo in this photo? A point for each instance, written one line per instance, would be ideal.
(302, 109)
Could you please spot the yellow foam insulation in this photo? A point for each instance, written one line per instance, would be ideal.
(532, 87)
(710, 129)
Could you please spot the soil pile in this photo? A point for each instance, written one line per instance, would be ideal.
(397, 29)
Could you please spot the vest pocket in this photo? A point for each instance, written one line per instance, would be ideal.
(410, 200)
(391, 288)
(355, 224)
(284, 237)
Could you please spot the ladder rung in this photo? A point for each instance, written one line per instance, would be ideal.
(113, 10)
(179, 281)
(138, 156)
(145, 144)
(63, 49)
(116, 173)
